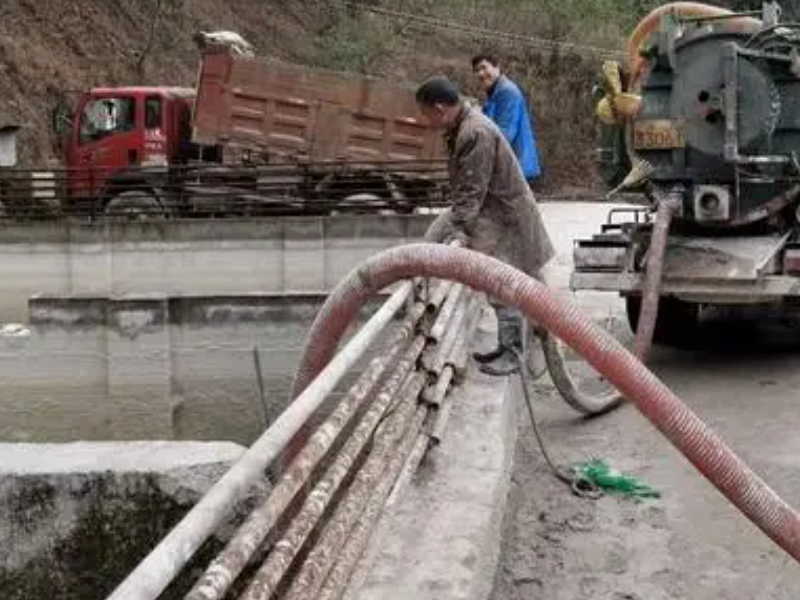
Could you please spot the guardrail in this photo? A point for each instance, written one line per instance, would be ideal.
(218, 190)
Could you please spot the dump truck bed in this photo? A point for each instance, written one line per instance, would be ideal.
(298, 113)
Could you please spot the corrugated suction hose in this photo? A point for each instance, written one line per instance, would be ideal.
(596, 403)
(701, 446)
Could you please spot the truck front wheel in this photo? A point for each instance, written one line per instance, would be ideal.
(135, 205)
(677, 323)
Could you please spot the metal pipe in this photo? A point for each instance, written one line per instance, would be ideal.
(453, 369)
(349, 555)
(416, 312)
(315, 568)
(451, 339)
(460, 355)
(440, 326)
(454, 338)
(440, 421)
(410, 466)
(165, 561)
(228, 564)
(651, 287)
(440, 293)
(269, 575)
(435, 354)
(433, 394)
(698, 442)
(353, 351)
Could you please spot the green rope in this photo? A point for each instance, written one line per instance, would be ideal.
(598, 473)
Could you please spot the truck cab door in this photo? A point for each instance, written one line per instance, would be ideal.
(107, 139)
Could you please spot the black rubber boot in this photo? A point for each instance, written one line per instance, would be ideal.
(509, 335)
(486, 357)
(505, 364)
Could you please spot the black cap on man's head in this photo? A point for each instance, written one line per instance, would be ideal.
(438, 90)
(479, 58)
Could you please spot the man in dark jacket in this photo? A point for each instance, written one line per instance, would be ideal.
(506, 106)
(491, 205)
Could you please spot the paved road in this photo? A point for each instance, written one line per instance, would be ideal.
(690, 543)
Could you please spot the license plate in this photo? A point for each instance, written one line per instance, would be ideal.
(657, 134)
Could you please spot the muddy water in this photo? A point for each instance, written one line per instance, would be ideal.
(188, 381)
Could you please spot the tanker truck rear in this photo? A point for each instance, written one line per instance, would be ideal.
(706, 117)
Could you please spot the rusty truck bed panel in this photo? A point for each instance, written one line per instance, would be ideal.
(316, 115)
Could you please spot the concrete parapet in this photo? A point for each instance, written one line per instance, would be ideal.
(76, 518)
(441, 539)
(227, 256)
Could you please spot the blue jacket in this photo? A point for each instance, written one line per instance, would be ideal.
(506, 106)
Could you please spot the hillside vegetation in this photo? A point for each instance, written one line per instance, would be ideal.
(50, 49)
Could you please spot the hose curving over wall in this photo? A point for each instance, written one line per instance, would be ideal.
(701, 446)
(599, 403)
(650, 23)
(651, 288)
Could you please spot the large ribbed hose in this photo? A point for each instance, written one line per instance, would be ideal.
(651, 22)
(701, 446)
(593, 403)
(651, 287)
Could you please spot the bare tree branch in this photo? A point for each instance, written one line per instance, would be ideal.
(146, 51)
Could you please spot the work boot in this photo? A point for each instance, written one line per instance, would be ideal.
(494, 354)
(505, 364)
(487, 357)
(509, 336)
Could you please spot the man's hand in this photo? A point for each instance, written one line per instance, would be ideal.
(459, 236)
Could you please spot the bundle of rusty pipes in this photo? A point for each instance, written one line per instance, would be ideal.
(379, 432)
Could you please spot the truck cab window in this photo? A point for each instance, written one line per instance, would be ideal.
(152, 112)
(102, 117)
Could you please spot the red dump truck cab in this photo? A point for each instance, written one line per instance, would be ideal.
(131, 148)
(118, 130)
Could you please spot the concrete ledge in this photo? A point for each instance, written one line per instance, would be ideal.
(85, 458)
(191, 230)
(76, 518)
(441, 540)
(192, 257)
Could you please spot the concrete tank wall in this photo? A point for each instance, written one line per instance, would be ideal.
(227, 256)
(152, 367)
(76, 518)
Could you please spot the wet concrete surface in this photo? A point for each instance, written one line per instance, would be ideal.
(742, 379)
(690, 543)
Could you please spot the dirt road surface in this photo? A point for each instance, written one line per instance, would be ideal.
(691, 543)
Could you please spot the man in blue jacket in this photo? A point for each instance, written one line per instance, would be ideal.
(507, 107)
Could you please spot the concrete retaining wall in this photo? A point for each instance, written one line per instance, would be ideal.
(75, 519)
(152, 367)
(228, 256)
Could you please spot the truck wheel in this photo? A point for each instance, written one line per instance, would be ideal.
(135, 205)
(677, 322)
